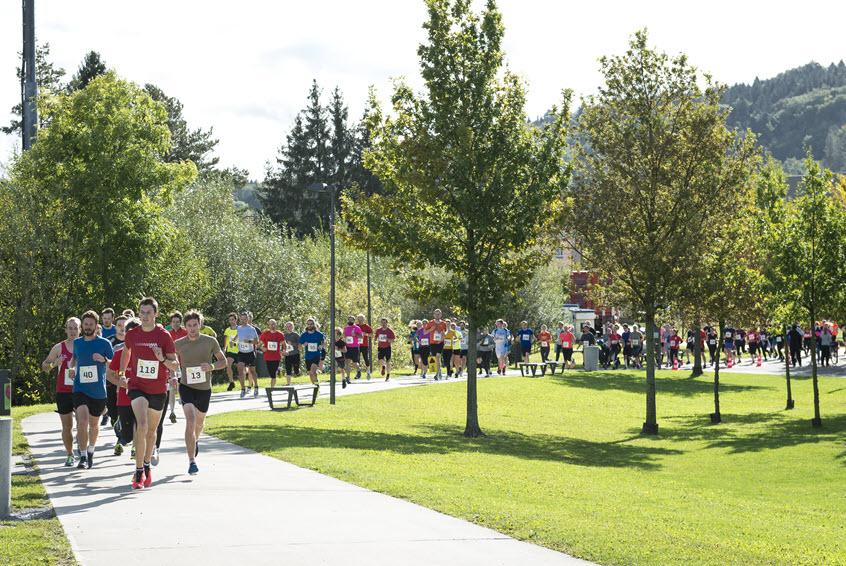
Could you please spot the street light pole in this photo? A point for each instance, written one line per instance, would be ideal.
(29, 111)
(332, 293)
(369, 312)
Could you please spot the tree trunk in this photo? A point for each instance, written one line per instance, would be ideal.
(715, 416)
(471, 428)
(786, 348)
(697, 348)
(650, 426)
(816, 421)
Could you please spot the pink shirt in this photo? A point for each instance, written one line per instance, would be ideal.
(352, 335)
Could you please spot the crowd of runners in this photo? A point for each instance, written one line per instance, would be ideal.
(127, 370)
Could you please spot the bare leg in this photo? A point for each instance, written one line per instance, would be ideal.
(67, 432)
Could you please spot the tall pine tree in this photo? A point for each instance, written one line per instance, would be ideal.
(92, 66)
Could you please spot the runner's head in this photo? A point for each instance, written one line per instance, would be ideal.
(272, 324)
(311, 324)
(132, 323)
(148, 309)
(244, 318)
(108, 316)
(233, 319)
(339, 333)
(129, 313)
(360, 319)
(350, 320)
(384, 322)
(438, 314)
(120, 327)
(500, 323)
(524, 324)
(193, 323)
(544, 328)
(452, 325)
(249, 317)
(289, 326)
(72, 327)
(90, 320)
(176, 320)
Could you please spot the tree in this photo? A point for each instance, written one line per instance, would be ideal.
(49, 80)
(185, 144)
(655, 144)
(809, 253)
(470, 186)
(90, 68)
(361, 140)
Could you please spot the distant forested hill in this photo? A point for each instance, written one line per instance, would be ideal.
(802, 106)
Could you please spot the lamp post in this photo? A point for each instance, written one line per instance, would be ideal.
(331, 189)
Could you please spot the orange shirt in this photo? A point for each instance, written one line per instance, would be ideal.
(544, 337)
(436, 329)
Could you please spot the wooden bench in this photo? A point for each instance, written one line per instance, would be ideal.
(526, 367)
(294, 392)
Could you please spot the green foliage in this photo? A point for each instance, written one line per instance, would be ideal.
(48, 78)
(90, 68)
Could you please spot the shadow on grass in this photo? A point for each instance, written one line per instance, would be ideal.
(449, 439)
(609, 380)
(756, 431)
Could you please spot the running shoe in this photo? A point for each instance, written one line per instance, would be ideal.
(343, 384)
(383, 370)
(255, 392)
(193, 469)
(243, 393)
(231, 386)
(148, 477)
(105, 420)
(83, 462)
(358, 374)
(90, 463)
(118, 449)
(132, 452)
(69, 461)
(138, 479)
(173, 417)
(155, 459)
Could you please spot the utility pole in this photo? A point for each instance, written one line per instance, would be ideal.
(29, 88)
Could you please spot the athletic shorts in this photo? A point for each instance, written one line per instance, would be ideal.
(64, 403)
(315, 361)
(424, 355)
(95, 406)
(247, 358)
(435, 349)
(200, 398)
(384, 354)
(272, 367)
(461, 353)
(156, 401)
(232, 356)
(353, 354)
(365, 353)
(567, 353)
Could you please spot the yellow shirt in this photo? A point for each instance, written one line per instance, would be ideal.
(230, 340)
(450, 336)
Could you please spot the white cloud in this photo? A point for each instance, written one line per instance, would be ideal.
(245, 67)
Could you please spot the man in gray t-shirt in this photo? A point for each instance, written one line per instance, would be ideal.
(247, 342)
(292, 350)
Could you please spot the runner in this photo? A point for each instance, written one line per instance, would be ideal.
(614, 343)
(484, 350)
(340, 353)
(544, 339)
(711, 337)
(247, 342)
(423, 339)
(352, 338)
(150, 352)
(450, 337)
(752, 339)
(414, 342)
(636, 340)
(384, 340)
(311, 341)
(272, 343)
(728, 344)
(230, 348)
(292, 351)
(366, 354)
(108, 329)
(91, 353)
(111, 413)
(125, 421)
(558, 349)
(502, 342)
(176, 332)
(675, 344)
(199, 355)
(568, 340)
(525, 334)
(459, 349)
(59, 355)
(436, 328)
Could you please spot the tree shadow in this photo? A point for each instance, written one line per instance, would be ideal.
(758, 431)
(609, 380)
(449, 439)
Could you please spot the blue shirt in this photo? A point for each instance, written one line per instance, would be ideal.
(108, 332)
(90, 377)
(246, 334)
(307, 338)
(525, 335)
(502, 338)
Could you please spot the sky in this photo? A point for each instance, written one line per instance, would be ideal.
(244, 68)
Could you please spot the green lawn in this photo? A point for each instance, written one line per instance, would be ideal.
(564, 465)
(35, 541)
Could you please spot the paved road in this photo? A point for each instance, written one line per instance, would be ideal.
(244, 507)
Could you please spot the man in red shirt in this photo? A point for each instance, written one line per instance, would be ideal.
(272, 343)
(149, 350)
(384, 338)
(675, 342)
(436, 330)
(366, 353)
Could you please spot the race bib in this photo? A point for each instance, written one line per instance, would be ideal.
(383, 338)
(712, 342)
(728, 335)
(565, 343)
(233, 343)
(544, 344)
(195, 375)
(778, 339)
(437, 337)
(289, 348)
(68, 378)
(147, 369)
(272, 346)
(349, 340)
(339, 354)
(312, 346)
(635, 342)
(88, 374)
(424, 341)
(448, 342)
(499, 339)
(614, 342)
(245, 347)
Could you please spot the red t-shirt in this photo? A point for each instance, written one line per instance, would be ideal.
(752, 337)
(145, 377)
(367, 330)
(675, 341)
(436, 330)
(65, 357)
(383, 337)
(122, 395)
(544, 336)
(614, 339)
(274, 344)
(567, 340)
(177, 334)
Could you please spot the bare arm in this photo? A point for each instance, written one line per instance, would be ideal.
(52, 358)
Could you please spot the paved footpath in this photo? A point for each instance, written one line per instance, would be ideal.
(246, 508)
